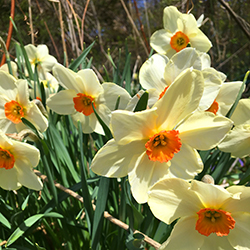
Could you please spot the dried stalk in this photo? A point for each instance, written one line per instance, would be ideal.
(83, 19)
(107, 216)
(31, 24)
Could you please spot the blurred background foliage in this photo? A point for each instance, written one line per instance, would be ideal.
(110, 23)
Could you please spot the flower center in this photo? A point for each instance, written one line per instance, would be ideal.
(214, 107)
(83, 104)
(179, 41)
(7, 160)
(162, 93)
(13, 111)
(162, 146)
(214, 221)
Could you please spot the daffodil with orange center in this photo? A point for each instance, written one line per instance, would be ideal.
(15, 105)
(210, 217)
(16, 162)
(161, 141)
(180, 30)
(81, 91)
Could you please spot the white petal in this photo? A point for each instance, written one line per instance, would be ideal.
(239, 236)
(200, 41)
(114, 160)
(111, 93)
(186, 163)
(160, 41)
(8, 85)
(67, 78)
(170, 17)
(241, 113)
(145, 175)
(184, 236)
(23, 93)
(62, 102)
(8, 179)
(180, 99)
(171, 198)
(212, 129)
(151, 74)
(7, 126)
(190, 25)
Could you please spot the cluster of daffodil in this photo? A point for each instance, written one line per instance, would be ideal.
(156, 148)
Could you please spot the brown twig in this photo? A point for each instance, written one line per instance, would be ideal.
(12, 13)
(141, 26)
(31, 24)
(83, 19)
(107, 216)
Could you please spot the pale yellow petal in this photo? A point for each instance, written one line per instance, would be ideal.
(212, 129)
(184, 236)
(200, 41)
(8, 85)
(151, 74)
(237, 141)
(180, 99)
(144, 175)
(9, 179)
(190, 25)
(186, 163)
(160, 41)
(170, 17)
(114, 160)
(130, 126)
(242, 111)
(23, 93)
(62, 102)
(172, 198)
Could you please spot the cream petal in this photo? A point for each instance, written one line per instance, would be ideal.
(206, 60)
(7, 126)
(111, 93)
(67, 78)
(35, 116)
(212, 196)
(170, 17)
(104, 112)
(239, 236)
(90, 82)
(151, 74)
(144, 175)
(31, 51)
(179, 62)
(114, 160)
(226, 98)
(186, 163)
(184, 236)
(9, 179)
(8, 85)
(237, 141)
(180, 201)
(190, 25)
(216, 243)
(89, 123)
(129, 126)
(160, 41)
(200, 41)
(242, 111)
(27, 177)
(62, 102)
(212, 129)
(23, 93)
(181, 99)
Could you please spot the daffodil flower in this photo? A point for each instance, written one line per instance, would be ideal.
(15, 105)
(16, 162)
(161, 141)
(237, 141)
(211, 217)
(82, 89)
(40, 55)
(180, 30)
(159, 72)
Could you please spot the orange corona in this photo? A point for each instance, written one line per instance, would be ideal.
(214, 107)
(163, 92)
(214, 221)
(179, 41)
(13, 111)
(83, 104)
(162, 146)
(7, 160)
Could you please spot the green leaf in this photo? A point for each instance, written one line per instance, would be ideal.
(4, 221)
(32, 127)
(75, 64)
(23, 206)
(142, 103)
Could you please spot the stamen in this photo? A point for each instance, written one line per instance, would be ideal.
(179, 41)
(214, 221)
(7, 160)
(83, 104)
(162, 146)
(214, 107)
(13, 111)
